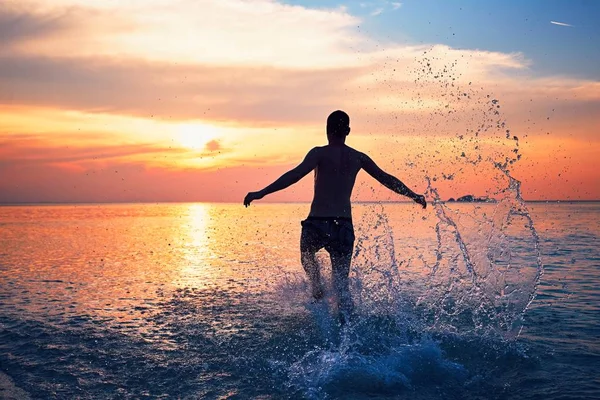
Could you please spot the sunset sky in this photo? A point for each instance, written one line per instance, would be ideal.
(205, 100)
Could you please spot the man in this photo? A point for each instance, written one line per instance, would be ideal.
(329, 223)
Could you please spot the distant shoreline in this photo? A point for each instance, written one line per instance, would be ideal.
(49, 203)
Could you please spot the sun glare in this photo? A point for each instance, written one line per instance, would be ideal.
(195, 136)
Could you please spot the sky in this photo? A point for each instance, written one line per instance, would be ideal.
(198, 100)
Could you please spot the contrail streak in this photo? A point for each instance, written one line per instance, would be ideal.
(560, 23)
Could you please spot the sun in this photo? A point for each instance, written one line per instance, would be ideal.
(195, 136)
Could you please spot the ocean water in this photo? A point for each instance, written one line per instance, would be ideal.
(459, 301)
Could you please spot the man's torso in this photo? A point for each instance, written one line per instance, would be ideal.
(335, 176)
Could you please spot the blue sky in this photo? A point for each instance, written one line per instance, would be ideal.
(494, 25)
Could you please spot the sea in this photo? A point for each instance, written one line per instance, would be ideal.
(209, 301)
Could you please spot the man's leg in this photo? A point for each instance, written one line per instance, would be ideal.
(309, 245)
(340, 268)
(311, 266)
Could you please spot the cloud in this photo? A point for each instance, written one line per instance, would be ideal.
(380, 6)
(39, 149)
(259, 33)
(560, 23)
(158, 58)
(248, 87)
(407, 81)
(249, 95)
(17, 25)
(171, 91)
(120, 180)
(213, 145)
(28, 24)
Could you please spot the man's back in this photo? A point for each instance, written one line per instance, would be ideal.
(335, 175)
(329, 224)
(336, 166)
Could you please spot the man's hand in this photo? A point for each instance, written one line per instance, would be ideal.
(250, 197)
(420, 199)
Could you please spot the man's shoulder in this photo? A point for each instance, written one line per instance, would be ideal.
(326, 150)
(356, 153)
(315, 151)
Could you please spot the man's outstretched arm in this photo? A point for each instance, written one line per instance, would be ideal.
(289, 178)
(390, 181)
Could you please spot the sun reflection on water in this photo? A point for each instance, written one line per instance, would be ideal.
(196, 246)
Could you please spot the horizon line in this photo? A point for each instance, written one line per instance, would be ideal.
(27, 203)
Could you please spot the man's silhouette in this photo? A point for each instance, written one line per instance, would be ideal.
(329, 223)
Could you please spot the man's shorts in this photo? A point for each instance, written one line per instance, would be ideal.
(335, 234)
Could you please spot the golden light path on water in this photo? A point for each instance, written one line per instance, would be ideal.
(196, 249)
(124, 261)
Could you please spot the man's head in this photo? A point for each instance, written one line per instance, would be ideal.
(338, 124)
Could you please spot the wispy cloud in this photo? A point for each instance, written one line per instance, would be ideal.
(376, 12)
(153, 30)
(379, 7)
(213, 145)
(34, 149)
(560, 23)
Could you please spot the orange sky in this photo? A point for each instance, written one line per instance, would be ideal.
(204, 101)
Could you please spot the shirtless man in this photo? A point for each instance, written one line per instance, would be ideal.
(329, 223)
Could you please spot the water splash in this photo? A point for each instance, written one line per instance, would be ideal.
(487, 269)
(372, 360)
(488, 262)
(472, 285)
